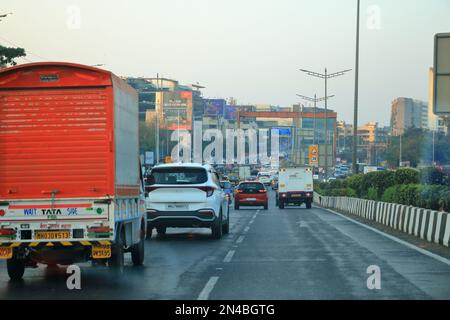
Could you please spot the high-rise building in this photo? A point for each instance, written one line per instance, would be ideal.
(408, 113)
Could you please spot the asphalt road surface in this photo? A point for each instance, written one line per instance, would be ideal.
(274, 254)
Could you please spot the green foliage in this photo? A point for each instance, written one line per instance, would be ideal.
(406, 176)
(7, 55)
(401, 186)
(389, 194)
(354, 182)
(372, 194)
(431, 175)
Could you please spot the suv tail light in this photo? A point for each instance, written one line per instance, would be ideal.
(262, 191)
(209, 191)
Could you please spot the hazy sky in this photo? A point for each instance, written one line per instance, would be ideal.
(247, 49)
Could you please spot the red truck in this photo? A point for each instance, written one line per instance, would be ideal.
(71, 186)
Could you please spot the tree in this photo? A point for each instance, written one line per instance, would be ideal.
(7, 56)
(417, 148)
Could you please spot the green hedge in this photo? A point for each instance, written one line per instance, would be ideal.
(426, 188)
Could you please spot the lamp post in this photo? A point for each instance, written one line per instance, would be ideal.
(326, 76)
(315, 100)
(355, 111)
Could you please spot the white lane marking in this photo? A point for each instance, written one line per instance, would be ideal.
(251, 222)
(204, 295)
(246, 229)
(229, 256)
(406, 244)
(240, 239)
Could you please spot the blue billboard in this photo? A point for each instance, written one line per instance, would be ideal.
(230, 113)
(214, 107)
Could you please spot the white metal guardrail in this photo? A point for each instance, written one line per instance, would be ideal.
(429, 225)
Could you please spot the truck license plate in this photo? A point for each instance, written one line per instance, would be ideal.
(51, 235)
(101, 251)
(296, 196)
(6, 253)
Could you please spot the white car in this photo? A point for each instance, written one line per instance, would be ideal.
(186, 196)
(264, 178)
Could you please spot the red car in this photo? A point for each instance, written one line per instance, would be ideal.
(251, 194)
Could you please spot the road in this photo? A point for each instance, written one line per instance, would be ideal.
(274, 254)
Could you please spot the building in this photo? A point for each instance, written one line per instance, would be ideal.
(308, 128)
(435, 123)
(408, 113)
(372, 142)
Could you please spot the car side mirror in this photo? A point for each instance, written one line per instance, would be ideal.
(222, 185)
(146, 194)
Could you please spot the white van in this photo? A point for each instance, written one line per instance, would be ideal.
(295, 187)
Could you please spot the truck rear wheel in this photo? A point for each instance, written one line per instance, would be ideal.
(138, 251)
(281, 204)
(117, 260)
(16, 268)
(308, 205)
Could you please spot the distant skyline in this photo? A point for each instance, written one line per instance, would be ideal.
(251, 50)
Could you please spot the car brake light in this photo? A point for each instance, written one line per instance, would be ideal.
(209, 190)
(2, 213)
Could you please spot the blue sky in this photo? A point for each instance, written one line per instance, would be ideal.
(247, 49)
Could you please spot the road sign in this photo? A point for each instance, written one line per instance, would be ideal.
(314, 155)
(441, 97)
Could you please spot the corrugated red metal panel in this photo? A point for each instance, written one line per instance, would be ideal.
(56, 139)
(53, 75)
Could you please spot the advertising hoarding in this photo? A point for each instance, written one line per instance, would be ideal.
(214, 107)
(176, 113)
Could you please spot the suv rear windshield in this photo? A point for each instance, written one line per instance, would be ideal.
(251, 187)
(177, 175)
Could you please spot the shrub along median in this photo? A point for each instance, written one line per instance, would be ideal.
(427, 188)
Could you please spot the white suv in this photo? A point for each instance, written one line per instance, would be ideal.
(186, 196)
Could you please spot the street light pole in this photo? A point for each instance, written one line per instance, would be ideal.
(315, 100)
(326, 76)
(355, 111)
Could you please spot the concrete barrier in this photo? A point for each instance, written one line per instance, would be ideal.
(429, 225)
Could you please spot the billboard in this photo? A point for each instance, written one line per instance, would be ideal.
(230, 113)
(441, 99)
(176, 113)
(214, 107)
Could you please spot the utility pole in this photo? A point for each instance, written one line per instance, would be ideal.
(355, 111)
(158, 109)
(401, 152)
(315, 100)
(326, 76)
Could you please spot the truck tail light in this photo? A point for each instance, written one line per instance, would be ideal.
(283, 195)
(99, 232)
(7, 232)
(2, 213)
